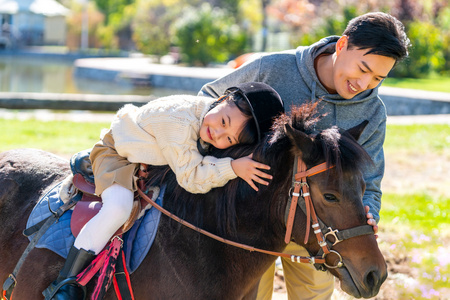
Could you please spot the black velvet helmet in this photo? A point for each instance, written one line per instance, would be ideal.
(265, 104)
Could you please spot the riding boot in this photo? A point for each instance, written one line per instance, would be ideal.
(65, 286)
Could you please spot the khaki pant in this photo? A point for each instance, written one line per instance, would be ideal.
(303, 281)
(109, 167)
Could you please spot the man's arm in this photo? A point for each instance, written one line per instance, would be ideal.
(374, 173)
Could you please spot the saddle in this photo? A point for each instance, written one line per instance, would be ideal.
(90, 204)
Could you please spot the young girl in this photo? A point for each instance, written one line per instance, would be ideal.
(172, 131)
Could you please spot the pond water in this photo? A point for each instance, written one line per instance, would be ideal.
(55, 75)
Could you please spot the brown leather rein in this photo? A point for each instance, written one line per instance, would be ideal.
(300, 188)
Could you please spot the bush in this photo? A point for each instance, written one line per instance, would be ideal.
(333, 25)
(426, 54)
(151, 26)
(207, 35)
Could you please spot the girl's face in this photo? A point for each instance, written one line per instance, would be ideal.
(222, 125)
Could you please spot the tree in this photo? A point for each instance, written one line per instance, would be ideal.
(152, 24)
(208, 34)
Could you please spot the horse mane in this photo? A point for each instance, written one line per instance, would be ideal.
(333, 145)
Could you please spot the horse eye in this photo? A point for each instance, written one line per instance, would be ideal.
(330, 198)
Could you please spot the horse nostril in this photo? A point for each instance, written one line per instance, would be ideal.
(372, 279)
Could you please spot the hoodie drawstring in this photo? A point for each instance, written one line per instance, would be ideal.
(313, 91)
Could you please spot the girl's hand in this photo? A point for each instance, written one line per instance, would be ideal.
(371, 221)
(248, 169)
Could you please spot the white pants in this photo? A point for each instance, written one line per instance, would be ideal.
(116, 209)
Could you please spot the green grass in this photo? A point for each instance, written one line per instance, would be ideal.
(419, 211)
(416, 233)
(59, 137)
(416, 227)
(418, 138)
(439, 84)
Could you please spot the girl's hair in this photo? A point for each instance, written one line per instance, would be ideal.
(249, 133)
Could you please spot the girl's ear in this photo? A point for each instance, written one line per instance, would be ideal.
(341, 44)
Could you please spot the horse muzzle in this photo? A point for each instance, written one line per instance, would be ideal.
(366, 286)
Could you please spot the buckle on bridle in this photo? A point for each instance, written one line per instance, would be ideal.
(333, 233)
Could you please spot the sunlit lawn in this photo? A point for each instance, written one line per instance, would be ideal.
(418, 138)
(416, 234)
(59, 137)
(439, 84)
(415, 227)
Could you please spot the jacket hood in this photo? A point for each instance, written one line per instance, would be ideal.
(305, 57)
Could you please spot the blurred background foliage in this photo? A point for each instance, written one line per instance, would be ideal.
(216, 31)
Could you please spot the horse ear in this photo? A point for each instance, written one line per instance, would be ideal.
(356, 131)
(300, 139)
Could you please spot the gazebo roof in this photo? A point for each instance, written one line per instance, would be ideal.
(41, 7)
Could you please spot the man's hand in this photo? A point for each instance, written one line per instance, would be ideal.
(248, 169)
(371, 221)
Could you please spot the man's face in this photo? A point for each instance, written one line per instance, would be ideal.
(354, 72)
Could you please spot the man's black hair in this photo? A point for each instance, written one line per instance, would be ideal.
(379, 32)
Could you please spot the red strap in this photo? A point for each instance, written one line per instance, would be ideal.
(291, 216)
(84, 277)
(116, 289)
(313, 171)
(127, 276)
(295, 195)
(5, 297)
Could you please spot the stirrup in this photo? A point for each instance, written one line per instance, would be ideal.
(50, 292)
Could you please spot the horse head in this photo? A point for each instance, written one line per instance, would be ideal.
(336, 193)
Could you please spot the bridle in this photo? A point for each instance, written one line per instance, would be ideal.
(300, 188)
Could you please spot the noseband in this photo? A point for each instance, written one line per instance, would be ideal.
(321, 231)
(300, 187)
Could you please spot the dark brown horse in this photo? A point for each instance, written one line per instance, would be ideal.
(184, 264)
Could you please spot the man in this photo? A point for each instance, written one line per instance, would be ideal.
(345, 73)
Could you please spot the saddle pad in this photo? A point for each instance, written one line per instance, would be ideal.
(59, 238)
(139, 239)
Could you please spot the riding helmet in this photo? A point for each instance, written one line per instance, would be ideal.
(265, 104)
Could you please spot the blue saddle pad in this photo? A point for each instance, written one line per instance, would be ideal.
(59, 238)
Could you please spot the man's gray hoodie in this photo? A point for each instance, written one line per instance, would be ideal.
(291, 73)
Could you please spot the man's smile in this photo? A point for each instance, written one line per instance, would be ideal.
(352, 88)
